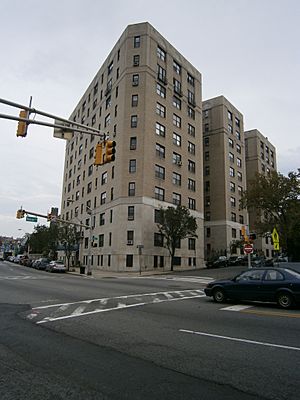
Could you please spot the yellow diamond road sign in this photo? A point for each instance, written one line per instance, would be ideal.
(275, 236)
(276, 246)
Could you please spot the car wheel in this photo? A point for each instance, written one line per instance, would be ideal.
(285, 300)
(219, 295)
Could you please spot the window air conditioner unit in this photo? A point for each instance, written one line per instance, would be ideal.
(179, 163)
(135, 83)
(129, 242)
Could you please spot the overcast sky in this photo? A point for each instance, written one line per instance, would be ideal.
(247, 51)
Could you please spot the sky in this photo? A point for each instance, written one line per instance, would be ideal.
(247, 51)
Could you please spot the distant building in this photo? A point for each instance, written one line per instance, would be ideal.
(260, 158)
(224, 176)
(148, 98)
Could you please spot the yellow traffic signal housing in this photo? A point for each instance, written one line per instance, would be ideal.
(22, 125)
(98, 154)
(49, 217)
(110, 150)
(20, 214)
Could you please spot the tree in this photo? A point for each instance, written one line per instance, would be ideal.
(276, 200)
(68, 237)
(176, 224)
(44, 240)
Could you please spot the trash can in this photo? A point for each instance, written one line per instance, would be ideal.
(82, 270)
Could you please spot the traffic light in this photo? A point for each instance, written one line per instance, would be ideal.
(49, 217)
(22, 125)
(98, 154)
(20, 214)
(110, 150)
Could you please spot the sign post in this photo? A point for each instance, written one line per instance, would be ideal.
(248, 249)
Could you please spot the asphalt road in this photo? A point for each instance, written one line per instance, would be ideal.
(77, 337)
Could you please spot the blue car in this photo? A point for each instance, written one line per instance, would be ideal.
(277, 285)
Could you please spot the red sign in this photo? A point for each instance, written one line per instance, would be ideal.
(248, 248)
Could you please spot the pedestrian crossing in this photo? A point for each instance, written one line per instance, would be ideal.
(19, 277)
(55, 312)
(194, 279)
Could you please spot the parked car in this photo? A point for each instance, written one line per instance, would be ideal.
(56, 266)
(278, 285)
(41, 263)
(219, 262)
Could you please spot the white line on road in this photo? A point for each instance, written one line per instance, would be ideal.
(240, 340)
(237, 307)
(119, 306)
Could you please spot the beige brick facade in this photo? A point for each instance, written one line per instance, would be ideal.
(148, 98)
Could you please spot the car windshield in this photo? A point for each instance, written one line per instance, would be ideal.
(292, 272)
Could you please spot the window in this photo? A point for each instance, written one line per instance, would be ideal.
(206, 156)
(191, 185)
(191, 148)
(129, 260)
(103, 198)
(160, 129)
(136, 60)
(176, 179)
(230, 142)
(232, 187)
(107, 121)
(176, 102)
(191, 166)
(240, 190)
(130, 213)
(177, 159)
(158, 240)
(232, 201)
(206, 141)
(191, 204)
(157, 216)
(133, 143)
(207, 186)
(241, 219)
(132, 166)
(233, 217)
(176, 139)
(230, 129)
(102, 219)
(192, 244)
(160, 151)
(131, 189)
(191, 130)
(134, 100)
(237, 122)
(231, 157)
(161, 54)
(238, 135)
(135, 79)
(229, 115)
(110, 68)
(208, 232)
(176, 199)
(191, 112)
(101, 240)
(161, 90)
(176, 121)
(176, 67)
(108, 102)
(136, 41)
(206, 170)
(130, 237)
(177, 86)
(159, 193)
(239, 176)
(191, 98)
(104, 178)
(161, 74)
(233, 233)
(89, 187)
(190, 80)
(239, 162)
(160, 110)
(159, 171)
(207, 201)
(238, 148)
(231, 172)
(133, 121)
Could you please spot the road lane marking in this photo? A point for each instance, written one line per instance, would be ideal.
(273, 313)
(237, 307)
(120, 304)
(280, 346)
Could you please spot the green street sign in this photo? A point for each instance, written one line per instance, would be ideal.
(31, 219)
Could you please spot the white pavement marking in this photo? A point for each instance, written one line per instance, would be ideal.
(237, 307)
(194, 279)
(120, 305)
(280, 346)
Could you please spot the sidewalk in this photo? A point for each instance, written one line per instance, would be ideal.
(97, 273)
